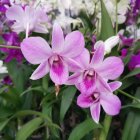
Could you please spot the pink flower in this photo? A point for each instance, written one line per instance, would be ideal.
(56, 59)
(110, 102)
(95, 73)
(28, 19)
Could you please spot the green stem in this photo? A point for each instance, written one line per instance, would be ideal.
(116, 17)
(128, 95)
(106, 125)
(9, 47)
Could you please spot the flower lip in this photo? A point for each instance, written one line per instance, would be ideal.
(95, 97)
(89, 73)
(54, 59)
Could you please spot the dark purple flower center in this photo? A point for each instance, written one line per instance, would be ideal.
(94, 97)
(56, 63)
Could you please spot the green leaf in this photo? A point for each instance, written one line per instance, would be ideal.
(45, 81)
(39, 88)
(127, 82)
(132, 73)
(86, 20)
(11, 97)
(128, 124)
(3, 124)
(83, 129)
(67, 97)
(3, 89)
(29, 128)
(132, 123)
(5, 112)
(19, 74)
(133, 105)
(127, 58)
(106, 23)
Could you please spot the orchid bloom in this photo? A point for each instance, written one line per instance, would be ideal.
(109, 44)
(56, 59)
(3, 69)
(28, 19)
(110, 102)
(94, 73)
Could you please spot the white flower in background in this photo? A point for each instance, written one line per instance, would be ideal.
(66, 3)
(19, 2)
(90, 6)
(109, 43)
(66, 22)
(122, 7)
(46, 5)
(75, 6)
(134, 31)
(28, 19)
(3, 69)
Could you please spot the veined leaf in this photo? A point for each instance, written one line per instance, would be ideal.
(106, 23)
(132, 73)
(67, 97)
(3, 124)
(83, 129)
(29, 128)
(132, 122)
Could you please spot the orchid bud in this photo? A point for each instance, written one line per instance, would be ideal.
(110, 43)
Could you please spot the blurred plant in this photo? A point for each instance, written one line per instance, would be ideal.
(109, 31)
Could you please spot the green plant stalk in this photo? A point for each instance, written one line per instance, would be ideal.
(128, 95)
(106, 126)
(9, 47)
(116, 17)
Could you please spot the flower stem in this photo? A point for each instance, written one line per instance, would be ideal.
(9, 47)
(116, 17)
(106, 126)
(128, 95)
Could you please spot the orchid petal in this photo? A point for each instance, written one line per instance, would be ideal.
(98, 55)
(115, 85)
(15, 13)
(84, 101)
(35, 50)
(74, 44)
(88, 85)
(83, 59)
(110, 43)
(40, 28)
(59, 73)
(110, 103)
(41, 71)
(16, 27)
(111, 68)
(73, 65)
(102, 85)
(57, 38)
(74, 79)
(95, 111)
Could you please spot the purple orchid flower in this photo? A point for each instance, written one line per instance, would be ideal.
(7, 80)
(134, 63)
(126, 41)
(27, 19)
(56, 60)
(12, 39)
(124, 52)
(110, 102)
(94, 74)
(133, 13)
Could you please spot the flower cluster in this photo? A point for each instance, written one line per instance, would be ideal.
(90, 75)
(84, 51)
